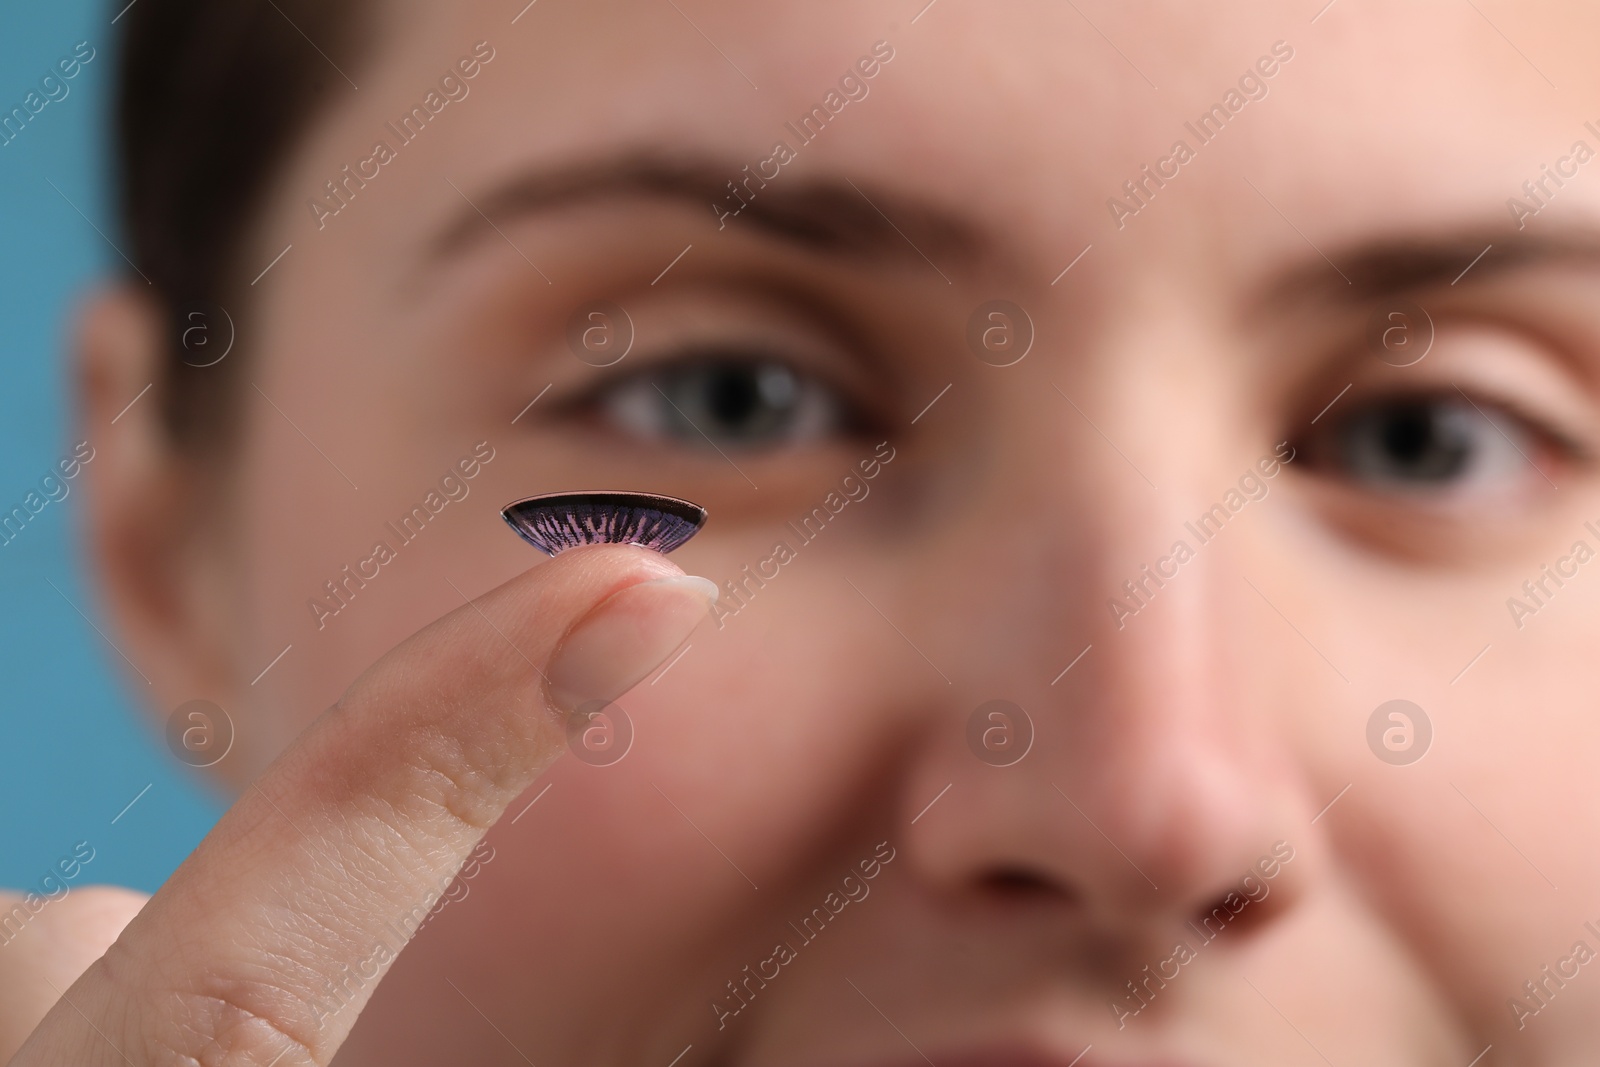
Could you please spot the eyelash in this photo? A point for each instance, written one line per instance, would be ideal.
(1326, 450)
(712, 394)
(818, 406)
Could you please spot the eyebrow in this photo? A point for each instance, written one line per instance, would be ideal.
(1415, 262)
(829, 215)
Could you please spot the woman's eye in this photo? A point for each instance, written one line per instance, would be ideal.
(1432, 444)
(726, 401)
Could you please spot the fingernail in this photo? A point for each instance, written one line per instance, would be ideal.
(625, 637)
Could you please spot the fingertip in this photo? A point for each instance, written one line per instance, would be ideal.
(627, 563)
(625, 637)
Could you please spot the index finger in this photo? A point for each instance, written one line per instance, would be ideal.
(333, 857)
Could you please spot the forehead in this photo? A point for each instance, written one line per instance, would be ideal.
(1028, 118)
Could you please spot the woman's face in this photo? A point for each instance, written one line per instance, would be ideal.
(1257, 443)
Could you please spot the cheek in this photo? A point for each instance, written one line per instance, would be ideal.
(308, 527)
(1496, 812)
(734, 769)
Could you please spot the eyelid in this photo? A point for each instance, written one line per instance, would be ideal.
(856, 416)
(1504, 417)
(1542, 446)
(1496, 367)
(748, 314)
(1577, 449)
(654, 361)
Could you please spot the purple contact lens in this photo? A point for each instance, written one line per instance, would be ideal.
(558, 521)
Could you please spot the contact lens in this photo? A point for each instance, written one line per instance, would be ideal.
(558, 521)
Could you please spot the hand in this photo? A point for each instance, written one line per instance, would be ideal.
(347, 835)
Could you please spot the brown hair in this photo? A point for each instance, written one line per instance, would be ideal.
(211, 95)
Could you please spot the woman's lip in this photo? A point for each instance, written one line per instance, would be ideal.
(1013, 1056)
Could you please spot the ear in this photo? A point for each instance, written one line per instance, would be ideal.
(153, 551)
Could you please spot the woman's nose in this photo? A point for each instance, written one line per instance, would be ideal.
(1151, 681)
(1141, 788)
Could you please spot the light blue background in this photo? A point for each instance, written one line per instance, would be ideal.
(77, 748)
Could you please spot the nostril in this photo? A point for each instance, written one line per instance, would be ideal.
(1233, 913)
(1017, 883)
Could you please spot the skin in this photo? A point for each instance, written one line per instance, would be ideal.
(1225, 717)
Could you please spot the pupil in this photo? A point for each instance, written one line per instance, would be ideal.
(1409, 435)
(733, 395)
